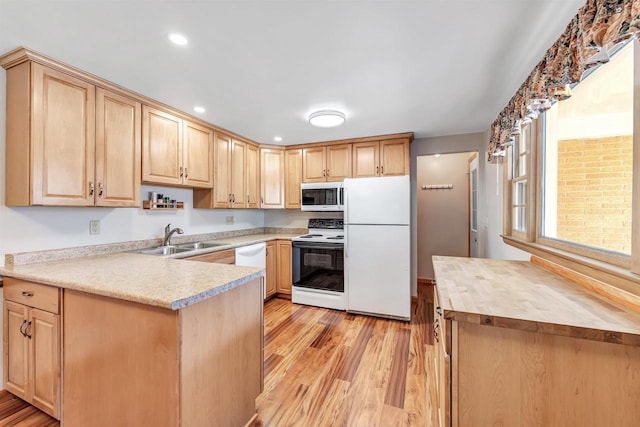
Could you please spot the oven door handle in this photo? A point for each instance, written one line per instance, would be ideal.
(331, 246)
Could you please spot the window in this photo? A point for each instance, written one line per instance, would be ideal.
(577, 199)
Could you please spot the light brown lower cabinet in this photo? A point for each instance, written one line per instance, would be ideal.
(488, 375)
(32, 344)
(271, 269)
(283, 286)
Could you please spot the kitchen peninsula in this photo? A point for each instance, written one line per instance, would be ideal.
(135, 339)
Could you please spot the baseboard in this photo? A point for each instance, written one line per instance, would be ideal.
(425, 281)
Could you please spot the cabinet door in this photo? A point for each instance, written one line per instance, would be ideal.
(222, 171)
(271, 269)
(366, 159)
(238, 174)
(284, 267)
(44, 358)
(197, 155)
(16, 347)
(272, 170)
(63, 139)
(338, 162)
(313, 164)
(118, 146)
(394, 157)
(253, 177)
(161, 147)
(293, 178)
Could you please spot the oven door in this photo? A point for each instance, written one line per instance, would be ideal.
(318, 266)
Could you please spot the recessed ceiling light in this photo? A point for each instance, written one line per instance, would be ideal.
(437, 155)
(327, 118)
(178, 39)
(199, 109)
(277, 138)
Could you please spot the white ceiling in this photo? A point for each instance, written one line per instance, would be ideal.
(433, 67)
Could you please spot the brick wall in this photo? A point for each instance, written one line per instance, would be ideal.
(594, 192)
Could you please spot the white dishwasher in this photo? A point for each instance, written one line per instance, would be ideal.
(254, 256)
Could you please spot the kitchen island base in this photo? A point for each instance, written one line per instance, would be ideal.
(126, 363)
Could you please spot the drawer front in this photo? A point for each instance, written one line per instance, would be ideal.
(35, 295)
(221, 257)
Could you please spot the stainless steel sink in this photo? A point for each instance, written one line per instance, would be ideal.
(163, 250)
(200, 245)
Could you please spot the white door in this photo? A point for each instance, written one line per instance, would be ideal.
(378, 200)
(473, 207)
(377, 270)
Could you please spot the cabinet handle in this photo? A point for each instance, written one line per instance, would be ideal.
(181, 172)
(327, 172)
(100, 189)
(436, 326)
(233, 198)
(27, 294)
(24, 322)
(262, 200)
(186, 174)
(381, 170)
(229, 197)
(247, 198)
(91, 188)
(324, 173)
(26, 330)
(377, 170)
(439, 310)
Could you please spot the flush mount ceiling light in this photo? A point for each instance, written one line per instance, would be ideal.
(327, 118)
(178, 39)
(277, 138)
(199, 109)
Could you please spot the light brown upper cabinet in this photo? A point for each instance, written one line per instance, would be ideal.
(234, 175)
(68, 143)
(174, 151)
(384, 158)
(293, 178)
(326, 163)
(272, 180)
(253, 176)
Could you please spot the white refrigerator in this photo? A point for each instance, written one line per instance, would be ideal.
(377, 246)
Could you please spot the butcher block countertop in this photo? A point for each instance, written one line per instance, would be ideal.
(521, 295)
(147, 279)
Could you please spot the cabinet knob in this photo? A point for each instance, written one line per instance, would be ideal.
(100, 189)
(91, 188)
(27, 294)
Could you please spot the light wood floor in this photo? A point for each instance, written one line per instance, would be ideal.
(329, 368)
(17, 412)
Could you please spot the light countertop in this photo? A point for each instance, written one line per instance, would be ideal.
(521, 295)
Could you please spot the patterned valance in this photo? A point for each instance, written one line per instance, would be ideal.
(598, 25)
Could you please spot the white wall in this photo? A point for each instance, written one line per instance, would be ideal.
(36, 228)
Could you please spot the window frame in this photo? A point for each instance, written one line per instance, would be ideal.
(618, 269)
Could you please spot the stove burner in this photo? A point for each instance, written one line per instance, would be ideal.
(340, 237)
(309, 236)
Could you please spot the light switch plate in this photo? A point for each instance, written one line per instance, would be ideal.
(94, 227)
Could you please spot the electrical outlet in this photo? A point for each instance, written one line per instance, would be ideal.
(230, 220)
(94, 226)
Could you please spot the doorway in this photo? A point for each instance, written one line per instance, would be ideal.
(444, 207)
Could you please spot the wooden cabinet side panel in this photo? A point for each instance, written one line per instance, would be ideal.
(15, 346)
(118, 150)
(272, 191)
(221, 171)
(18, 170)
(366, 159)
(314, 164)
(62, 139)
(271, 273)
(44, 358)
(161, 147)
(238, 174)
(197, 155)
(120, 364)
(293, 178)
(253, 168)
(513, 377)
(338, 162)
(394, 157)
(284, 267)
(221, 380)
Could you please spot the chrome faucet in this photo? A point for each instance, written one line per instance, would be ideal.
(168, 232)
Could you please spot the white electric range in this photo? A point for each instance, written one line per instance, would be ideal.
(318, 265)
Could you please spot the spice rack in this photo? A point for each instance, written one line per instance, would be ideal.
(148, 204)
